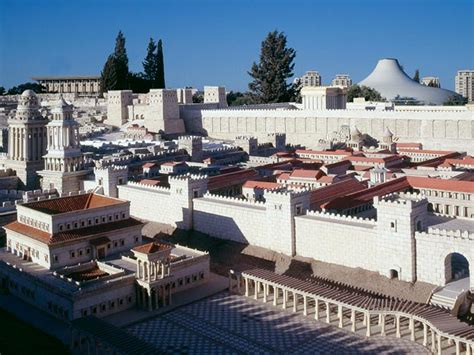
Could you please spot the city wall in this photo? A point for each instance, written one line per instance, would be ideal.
(435, 128)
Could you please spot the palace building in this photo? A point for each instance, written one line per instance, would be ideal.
(81, 85)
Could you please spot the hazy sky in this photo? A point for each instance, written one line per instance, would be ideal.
(210, 42)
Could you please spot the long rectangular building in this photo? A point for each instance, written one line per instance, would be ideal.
(81, 85)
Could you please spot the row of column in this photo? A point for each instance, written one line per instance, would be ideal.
(430, 336)
(153, 270)
(62, 136)
(154, 297)
(64, 165)
(26, 143)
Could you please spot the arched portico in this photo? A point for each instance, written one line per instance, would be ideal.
(456, 267)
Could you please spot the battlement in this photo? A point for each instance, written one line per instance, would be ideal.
(276, 134)
(245, 138)
(400, 199)
(242, 201)
(149, 187)
(188, 177)
(287, 193)
(437, 232)
(340, 217)
(111, 168)
(191, 138)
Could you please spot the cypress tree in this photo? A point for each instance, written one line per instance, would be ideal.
(108, 76)
(160, 67)
(416, 77)
(149, 63)
(276, 66)
(121, 62)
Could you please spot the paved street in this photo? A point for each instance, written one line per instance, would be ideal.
(228, 323)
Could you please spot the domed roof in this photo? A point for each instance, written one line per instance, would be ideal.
(387, 132)
(28, 93)
(389, 79)
(356, 134)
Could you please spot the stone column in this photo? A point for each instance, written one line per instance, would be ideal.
(382, 324)
(439, 344)
(295, 302)
(265, 286)
(246, 286)
(285, 297)
(328, 313)
(162, 270)
(425, 334)
(169, 294)
(316, 308)
(257, 286)
(458, 349)
(305, 305)
(468, 349)
(412, 329)
(397, 325)
(353, 320)
(339, 314)
(275, 295)
(367, 315)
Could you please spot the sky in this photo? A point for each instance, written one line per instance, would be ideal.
(211, 42)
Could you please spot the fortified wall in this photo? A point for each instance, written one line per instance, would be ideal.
(435, 127)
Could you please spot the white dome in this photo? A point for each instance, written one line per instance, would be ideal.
(28, 93)
(389, 79)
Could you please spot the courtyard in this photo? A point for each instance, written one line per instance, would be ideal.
(228, 323)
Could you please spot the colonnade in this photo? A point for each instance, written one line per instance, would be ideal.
(153, 297)
(26, 143)
(153, 270)
(371, 322)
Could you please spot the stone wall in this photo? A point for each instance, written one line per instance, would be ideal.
(433, 248)
(435, 128)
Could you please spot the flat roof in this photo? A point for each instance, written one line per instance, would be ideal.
(95, 77)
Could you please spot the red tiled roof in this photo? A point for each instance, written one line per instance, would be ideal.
(150, 182)
(71, 235)
(365, 196)
(149, 165)
(338, 163)
(233, 178)
(427, 151)
(323, 152)
(173, 163)
(327, 193)
(72, 203)
(386, 159)
(252, 184)
(440, 184)
(152, 247)
(464, 161)
(438, 160)
(409, 145)
(306, 174)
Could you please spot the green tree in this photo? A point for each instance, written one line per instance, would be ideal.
(416, 77)
(455, 100)
(108, 76)
(121, 62)
(2, 90)
(149, 63)
(17, 90)
(198, 97)
(160, 67)
(276, 66)
(236, 98)
(363, 91)
(432, 84)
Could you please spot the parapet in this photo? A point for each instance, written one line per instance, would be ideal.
(237, 200)
(455, 234)
(340, 217)
(190, 137)
(400, 199)
(149, 187)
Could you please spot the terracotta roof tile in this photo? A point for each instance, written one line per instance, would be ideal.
(441, 184)
(152, 247)
(71, 235)
(72, 203)
(252, 184)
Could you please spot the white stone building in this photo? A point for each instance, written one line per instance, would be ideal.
(464, 84)
(311, 78)
(343, 80)
(430, 80)
(64, 163)
(82, 255)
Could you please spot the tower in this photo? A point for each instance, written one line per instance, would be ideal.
(387, 141)
(248, 144)
(192, 145)
(163, 112)
(356, 141)
(27, 140)
(64, 163)
(215, 94)
(117, 107)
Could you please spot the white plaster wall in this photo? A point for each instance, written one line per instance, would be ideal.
(342, 242)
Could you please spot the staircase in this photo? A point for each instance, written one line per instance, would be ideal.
(448, 296)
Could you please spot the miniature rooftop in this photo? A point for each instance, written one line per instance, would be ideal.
(73, 203)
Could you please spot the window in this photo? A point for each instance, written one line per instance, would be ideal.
(393, 226)
(88, 250)
(68, 226)
(83, 223)
(76, 224)
(103, 219)
(72, 253)
(94, 310)
(110, 217)
(97, 220)
(103, 307)
(55, 258)
(109, 246)
(115, 244)
(89, 221)
(80, 252)
(61, 227)
(122, 242)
